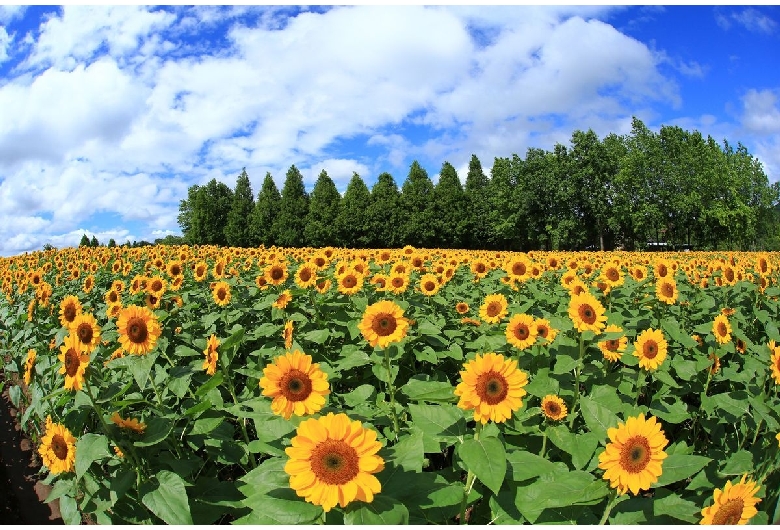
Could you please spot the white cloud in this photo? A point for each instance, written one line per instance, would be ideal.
(761, 111)
(750, 18)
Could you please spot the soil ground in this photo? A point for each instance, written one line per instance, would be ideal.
(21, 492)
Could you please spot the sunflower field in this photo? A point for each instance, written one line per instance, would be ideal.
(202, 384)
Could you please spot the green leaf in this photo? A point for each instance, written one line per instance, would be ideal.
(157, 430)
(360, 395)
(525, 465)
(574, 487)
(318, 336)
(677, 467)
(675, 412)
(69, 510)
(486, 458)
(409, 452)
(419, 390)
(351, 357)
(90, 448)
(166, 497)
(383, 510)
(206, 425)
(212, 382)
(738, 463)
(737, 408)
(444, 422)
(580, 446)
(565, 363)
(542, 385)
(685, 369)
(597, 417)
(675, 506)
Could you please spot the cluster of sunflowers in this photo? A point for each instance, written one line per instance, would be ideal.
(536, 312)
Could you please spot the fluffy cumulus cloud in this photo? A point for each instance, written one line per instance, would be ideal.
(761, 119)
(117, 110)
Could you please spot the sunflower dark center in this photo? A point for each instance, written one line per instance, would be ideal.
(492, 387)
(221, 293)
(334, 462)
(59, 446)
(667, 290)
(587, 314)
(729, 275)
(521, 332)
(650, 350)
(397, 281)
(635, 454)
(542, 331)
(70, 312)
(493, 309)
(156, 285)
(730, 512)
(613, 275)
(612, 344)
(277, 273)
(295, 385)
(480, 268)
(72, 362)
(349, 281)
(384, 324)
(429, 286)
(136, 330)
(113, 296)
(662, 271)
(84, 332)
(305, 275)
(553, 409)
(722, 331)
(518, 269)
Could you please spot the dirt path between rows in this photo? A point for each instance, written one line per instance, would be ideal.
(21, 492)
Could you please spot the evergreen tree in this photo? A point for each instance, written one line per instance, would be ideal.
(212, 206)
(418, 228)
(94, 242)
(262, 218)
(383, 216)
(503, 212)
(477, 208)
(352, 219)
(449, 203)
(237, 232)
(320, 229)
(111, 243)
(186, 218)
(293, 207)
(84, 241)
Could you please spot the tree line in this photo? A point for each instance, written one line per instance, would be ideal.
(623, 191)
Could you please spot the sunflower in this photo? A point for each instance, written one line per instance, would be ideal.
(138, 330)
(350, 282)
(634, 455)
(383, 323)
(587, 313)
(666, 290)
(89, 283)
(721, 329)
(283, 299)
(521, 331)
(58, 448)
(429, 284)
(775, 361)
(492, 387)
(398, 283)
(70, 308)
(715, 368)
(220, 291)
(129, 423)
(462, 308)
(74, 362)
(306, 276)
(662, 268)
(333, 460)
(545, 330)
(650, 347)
(613, 349)
(200, 271)
(736, 504)
(86, 329)
(29, 363)
(296, 385)
(553, 407)
(612, 275)
(494, 308)
(287, 334)
(323, 286)
(276, 273)
(210, 364)
(156, 286)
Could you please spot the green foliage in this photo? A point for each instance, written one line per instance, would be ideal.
(418, 225)
(384, 213)
(290, 219)
(320, 229)
(352, 218)
(266, 208)
(237, 229)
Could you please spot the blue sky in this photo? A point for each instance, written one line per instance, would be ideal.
(110, 113)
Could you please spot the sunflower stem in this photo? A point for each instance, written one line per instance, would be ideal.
(232, 391)
(639, 381)
(544, 442)
(391, 392)
(577, 371)
(470, 478)
(611, 502)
